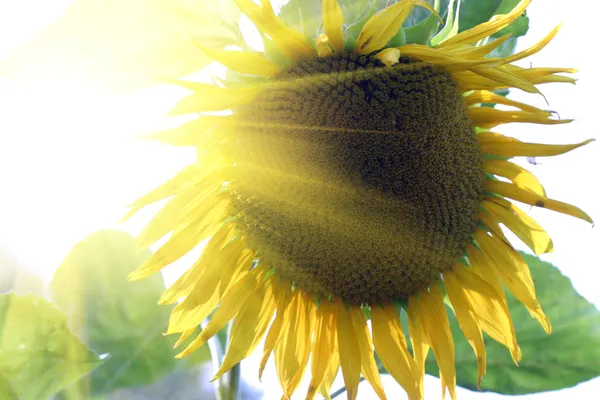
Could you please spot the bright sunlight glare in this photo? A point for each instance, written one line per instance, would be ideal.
(71, 161)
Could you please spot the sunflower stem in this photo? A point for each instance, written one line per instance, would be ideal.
(234, 382)
(226, 387)
(342, 390)
(216, 355)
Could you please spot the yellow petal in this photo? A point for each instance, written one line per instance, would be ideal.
(207, 209)
(487, 117)
(436, 329)
(349, 351)
(505, 77)
(233, 300)
(389, 56)
(384, 25)
(249, 327)
(163, 191)
(467, 320)
(521, 224)
(209, 97)
(332, 371)
(485, 96)
(186, 283)
(368, 366)
(390, 344)
(476, 52)
(195, 132)
(486, 29)
(486, 296)
(468, 80)
(513, 271)
(181, 242)
(525, 196)
(519, 175)
(440, 57)
(515, 148)
(541, 75)
(545, 75)
(533, 73)
(480, 267)
(533, 49)
(214, 280)
(293, 351)
(200, 272)
(333, 22)
(492, 224)
(322, 46)
(324, 346)
(420, 343)
(290, 42)
(242, 61)
(282, 294)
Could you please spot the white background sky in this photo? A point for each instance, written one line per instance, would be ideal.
(69, 162)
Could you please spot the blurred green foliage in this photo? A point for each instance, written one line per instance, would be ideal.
(39, 356)
(115, 317)
(48, 349)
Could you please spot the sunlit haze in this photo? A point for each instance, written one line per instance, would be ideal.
(71, 161)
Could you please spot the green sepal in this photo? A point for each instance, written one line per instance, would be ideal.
(270, 273)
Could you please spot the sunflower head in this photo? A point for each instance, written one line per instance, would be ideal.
(348, 178)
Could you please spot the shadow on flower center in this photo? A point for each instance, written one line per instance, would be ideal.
(358, 180)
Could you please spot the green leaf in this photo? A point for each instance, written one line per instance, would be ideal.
(304, 16)
(39, 356)
(474, 12)
(6, 390)
(518, 27)
(421, 14)
(118, 45)
(115, 316)
(505, 49)
(422, 24)
(570, 355)
(356, 14)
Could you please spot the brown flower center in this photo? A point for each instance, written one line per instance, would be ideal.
(358, 180)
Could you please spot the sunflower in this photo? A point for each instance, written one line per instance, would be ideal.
(348, 182)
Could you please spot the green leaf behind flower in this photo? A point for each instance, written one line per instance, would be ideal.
(517, 28)
(570, 355)
(474, 12)
(117, 317)
(6, 390)
(304, 16)
(39, 356)
(419, 27)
